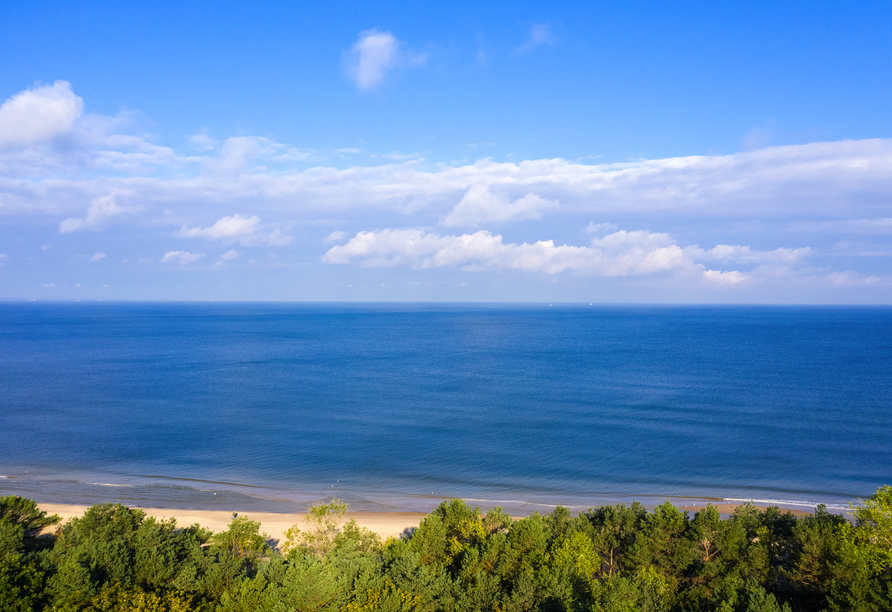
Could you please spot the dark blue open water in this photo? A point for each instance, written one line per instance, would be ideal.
(394, 406)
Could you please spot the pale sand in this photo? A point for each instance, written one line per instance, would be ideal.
(385, 524)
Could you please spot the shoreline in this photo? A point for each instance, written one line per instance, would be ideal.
(275, 524)
(193, 495)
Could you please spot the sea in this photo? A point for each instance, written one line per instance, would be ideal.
(396, 407)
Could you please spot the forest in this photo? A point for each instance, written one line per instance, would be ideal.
(611, 558)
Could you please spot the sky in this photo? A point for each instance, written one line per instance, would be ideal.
(585, 152)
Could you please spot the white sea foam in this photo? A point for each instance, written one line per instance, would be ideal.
(107, 484)
(789, 502)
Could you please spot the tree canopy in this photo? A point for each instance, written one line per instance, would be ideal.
(612, 558)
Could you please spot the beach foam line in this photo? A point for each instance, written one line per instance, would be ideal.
(104, 484)
(787, 502)
(512, 501)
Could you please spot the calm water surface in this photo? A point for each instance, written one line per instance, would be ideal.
(390, 406)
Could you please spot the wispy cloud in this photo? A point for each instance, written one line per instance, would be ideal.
(540, 34)
(181, 257)
(101, 210)
(371, 57)
(374, 54)
(481, 205)
(247, 231)
(202, 141)
(97, 173)
(98, 256)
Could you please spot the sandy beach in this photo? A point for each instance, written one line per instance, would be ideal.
(385, 524)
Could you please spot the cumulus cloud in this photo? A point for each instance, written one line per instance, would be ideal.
(729, 278)
(39, 114)
(94, 172)
(102, 209)
(237, 228)
(374, 54)
(228, 255)
(181, 257)
(619, 254)
(801, 183)
(227, 227)
(481, 205)
(540, 34)
(98, 256)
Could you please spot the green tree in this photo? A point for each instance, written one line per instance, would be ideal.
(323, 522)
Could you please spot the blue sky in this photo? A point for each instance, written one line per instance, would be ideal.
(632, 152)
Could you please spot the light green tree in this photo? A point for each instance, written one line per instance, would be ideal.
(874, 528)
(323, 524)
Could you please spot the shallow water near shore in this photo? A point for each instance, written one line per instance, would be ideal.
(394, 407)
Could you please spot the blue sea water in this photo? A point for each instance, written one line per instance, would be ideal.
(269, 406)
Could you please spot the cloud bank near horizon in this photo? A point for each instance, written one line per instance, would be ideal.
(85, 176)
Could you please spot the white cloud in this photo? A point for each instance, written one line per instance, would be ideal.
(371, 57)
(795, 182)
(48, 285)
(180, 257)
(98, 256)
(599, 228)
(374, 54)
(744, 254)
(850, 278)
(729, 278)
(45, 247)
(39, 114)
(245, 230)
(759, 137)
(540, 34)
(481, 205)
(101, 209)
(202, 141)
(235, 153)
(620, 254)
(91, 171)
(2, 259)
(349, 150)
(228, 255)
(227, 227)
(800, 183)
(335, 236)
